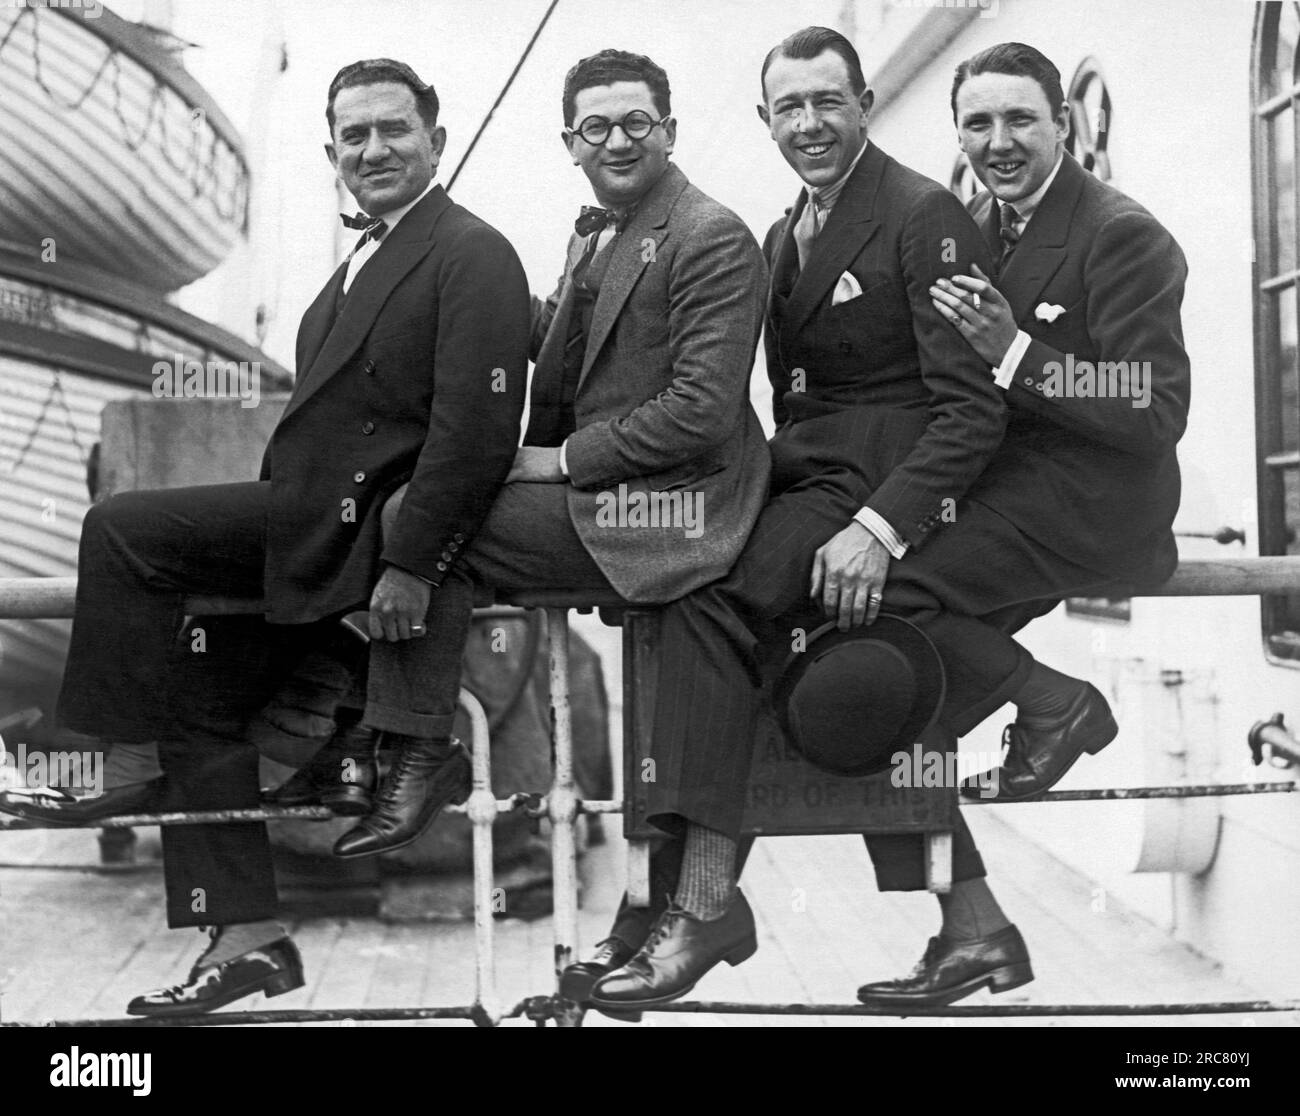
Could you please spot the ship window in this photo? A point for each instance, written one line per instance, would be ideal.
(1276, 94)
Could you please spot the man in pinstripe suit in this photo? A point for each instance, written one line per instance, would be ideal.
(884, 422)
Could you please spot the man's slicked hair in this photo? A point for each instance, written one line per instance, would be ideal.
(609, 66)
(382, 71)
(811, 42)
(1015, 59)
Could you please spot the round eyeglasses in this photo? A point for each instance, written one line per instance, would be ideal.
(636, 126)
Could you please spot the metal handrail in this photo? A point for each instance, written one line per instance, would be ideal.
(34, 598)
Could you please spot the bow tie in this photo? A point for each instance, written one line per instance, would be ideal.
(592, 219)
(361, 221)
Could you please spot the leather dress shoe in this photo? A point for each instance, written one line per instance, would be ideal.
(1037, 759)
(423, 780)
(951, 970)
(630, 930)
(342, 776)
(273, 969)
(58, 808)
(577, 981)
(678, 952)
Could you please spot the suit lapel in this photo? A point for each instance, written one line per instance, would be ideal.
(1041, 250)
(630, 256)
(783, 258)
(316, 322)
(548, 372)
(399, 252)
(851, 224)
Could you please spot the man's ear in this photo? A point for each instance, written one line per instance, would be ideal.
(764, 115)
(670, 133)
(866, 100)
(571, 141)
(332, 155)
(1062, 122)
(438, 139)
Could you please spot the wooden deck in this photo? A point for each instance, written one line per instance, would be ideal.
(76, 942)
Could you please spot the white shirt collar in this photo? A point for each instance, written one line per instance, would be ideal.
(1025, 206)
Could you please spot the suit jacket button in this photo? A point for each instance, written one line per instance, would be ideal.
(446, 555)
(1029, 381)
(367, 427)
(359, 477)
(370, 368)
(459, 537)
(442, 567)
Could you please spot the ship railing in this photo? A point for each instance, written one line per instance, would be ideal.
(54, 598)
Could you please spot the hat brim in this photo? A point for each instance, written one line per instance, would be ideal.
(905, 637)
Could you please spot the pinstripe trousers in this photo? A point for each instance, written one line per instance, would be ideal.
(715, 641)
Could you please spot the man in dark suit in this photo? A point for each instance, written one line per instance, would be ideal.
(411, 370)
(882, 419)
(643, 467)
(1083, 334)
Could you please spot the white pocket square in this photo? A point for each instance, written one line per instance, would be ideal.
(1048, 313)
(846, 289)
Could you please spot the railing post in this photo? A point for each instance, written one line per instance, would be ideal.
(482, 811)
(562, 809)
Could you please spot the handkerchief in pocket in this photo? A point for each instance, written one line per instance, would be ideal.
(846, 288)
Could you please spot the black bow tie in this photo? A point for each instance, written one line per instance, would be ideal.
(592, 219)
(361, 221)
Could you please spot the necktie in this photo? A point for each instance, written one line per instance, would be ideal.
(1007, 231)
(807, 228)
(592, 219)
(372, 228)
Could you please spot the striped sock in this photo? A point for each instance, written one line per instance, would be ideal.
(708, 877)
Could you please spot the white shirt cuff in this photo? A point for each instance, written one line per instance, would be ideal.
(1005, 372)
(874, 522)
(564, 461)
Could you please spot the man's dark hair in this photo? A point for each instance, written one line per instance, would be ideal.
(608, 67)
(811, 42)
(380, 71)
(1018, 60)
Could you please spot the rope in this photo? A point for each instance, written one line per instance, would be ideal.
(501, 96)
(197, 167)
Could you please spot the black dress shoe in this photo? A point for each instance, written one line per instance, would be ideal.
(628, 934)
(1037, 759)
(423, 780)
(59, 808)
(679, 950)
(952, 970)
(273, 969)
(342, 776)
(577, 981)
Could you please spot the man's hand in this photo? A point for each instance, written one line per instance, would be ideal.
(398, 605)
(978, 312)
(537, 464)
(848, 576)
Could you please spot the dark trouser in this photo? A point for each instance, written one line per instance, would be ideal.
(129, 677)
(708, 699)
(526, 542)
(134, 675)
